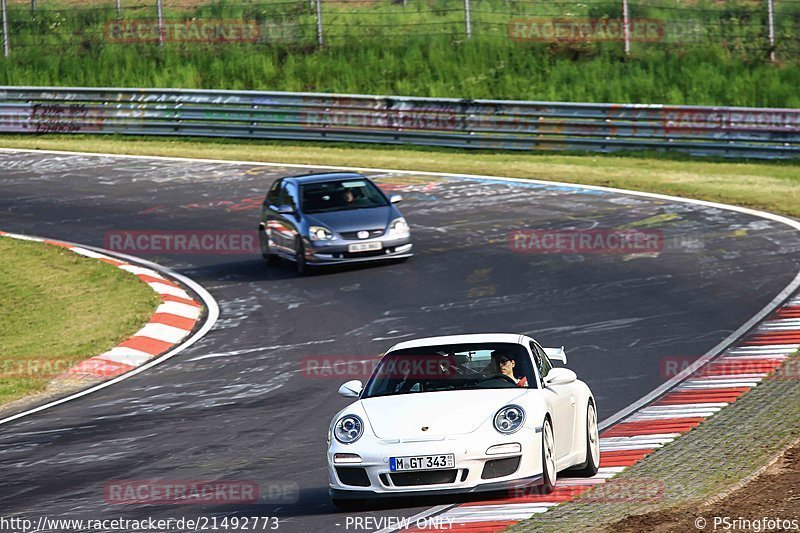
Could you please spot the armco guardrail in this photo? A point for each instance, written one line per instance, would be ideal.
(486, 124)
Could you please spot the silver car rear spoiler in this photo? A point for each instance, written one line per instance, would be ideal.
(556, 354)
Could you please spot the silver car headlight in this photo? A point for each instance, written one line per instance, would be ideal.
(348, 429)
(319, 233)
(398, 227)
(509, 419)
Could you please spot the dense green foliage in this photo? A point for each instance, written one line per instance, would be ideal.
(704, 54)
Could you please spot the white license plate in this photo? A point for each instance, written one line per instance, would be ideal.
(422, 462)
(365, 247)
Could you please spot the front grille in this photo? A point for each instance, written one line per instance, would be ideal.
(500, 467)
(430, 477)
(353, 235)
(357, 477)
(371, 253)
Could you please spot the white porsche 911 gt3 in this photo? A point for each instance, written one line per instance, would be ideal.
(462, 413)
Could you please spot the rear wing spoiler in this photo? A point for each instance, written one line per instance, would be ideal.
(556, 354)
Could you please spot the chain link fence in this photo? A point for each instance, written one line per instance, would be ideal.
(763, 28)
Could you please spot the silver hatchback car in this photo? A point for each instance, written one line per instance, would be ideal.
(331, 218)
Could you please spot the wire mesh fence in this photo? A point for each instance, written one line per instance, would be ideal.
(762, 28)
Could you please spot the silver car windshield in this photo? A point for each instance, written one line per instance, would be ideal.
(451, 367)
(340, 196)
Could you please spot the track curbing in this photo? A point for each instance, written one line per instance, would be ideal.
(172, 327)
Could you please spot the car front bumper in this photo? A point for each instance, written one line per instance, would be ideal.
(337, 251)
(468, 475)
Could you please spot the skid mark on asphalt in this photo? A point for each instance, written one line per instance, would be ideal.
(258, 350)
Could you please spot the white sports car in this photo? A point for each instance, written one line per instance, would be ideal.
(462, 413)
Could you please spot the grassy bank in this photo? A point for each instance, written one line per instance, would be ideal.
(770, 186)
(59, 308)
(702, 52)
(480, 71)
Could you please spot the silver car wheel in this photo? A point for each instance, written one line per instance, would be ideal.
(591, 429)
(549, 452)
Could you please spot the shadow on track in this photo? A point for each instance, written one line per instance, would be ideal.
(257, 270)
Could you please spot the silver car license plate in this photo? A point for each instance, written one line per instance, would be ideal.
(422, 462)
(365, 247)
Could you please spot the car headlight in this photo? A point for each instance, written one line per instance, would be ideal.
(509, 419)
(348, 429)
(319, 233)
(398, 226)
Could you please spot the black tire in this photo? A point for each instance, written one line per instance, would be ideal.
(548, 474)
(590, 466)
(349, 505)
(300, 256)
(263, 243)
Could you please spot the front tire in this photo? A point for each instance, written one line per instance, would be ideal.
(263, 242)
(589, 467)
(548, 458)
(300, 256)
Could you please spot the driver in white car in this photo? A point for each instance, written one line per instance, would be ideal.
(505, 365)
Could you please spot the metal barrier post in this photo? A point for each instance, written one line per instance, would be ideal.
(33, 7)
(468, 19)
(6, 47)
(160, 11)
(771, 19)
(626, 26)
(319, 22)
(119, 9)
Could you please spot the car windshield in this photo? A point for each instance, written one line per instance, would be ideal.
(341, 195)
(451, 367)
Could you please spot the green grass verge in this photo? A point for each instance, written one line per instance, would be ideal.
(711, 458)
(59, 308)
(773, 187)
(705, 52)
(480, 71)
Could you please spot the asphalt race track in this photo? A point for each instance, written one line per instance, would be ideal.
(237, 405)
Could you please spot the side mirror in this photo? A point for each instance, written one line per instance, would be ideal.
(395, 198)
(559, 376)
(285, 209)
(351, 389)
